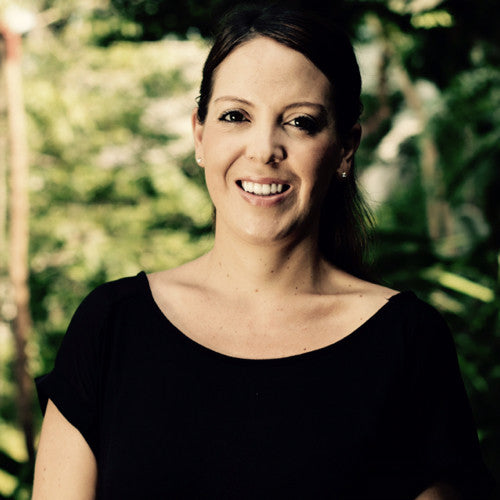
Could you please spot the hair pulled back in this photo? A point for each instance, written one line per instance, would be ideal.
(345, 219)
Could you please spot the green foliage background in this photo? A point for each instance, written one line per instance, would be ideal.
(114, 188)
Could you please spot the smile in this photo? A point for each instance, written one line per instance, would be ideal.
(262, 189)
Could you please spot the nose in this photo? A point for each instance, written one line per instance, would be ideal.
(265, 144)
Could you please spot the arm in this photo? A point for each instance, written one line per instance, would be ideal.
(65, 465)
(439, 491)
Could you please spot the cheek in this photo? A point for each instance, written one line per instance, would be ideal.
(210, 141)
(323, 162)
(215, 188)
(219, 149)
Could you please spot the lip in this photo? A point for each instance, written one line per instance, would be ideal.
(259, 200)
(264, 180)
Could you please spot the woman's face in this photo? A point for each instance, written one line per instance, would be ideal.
(269, 144)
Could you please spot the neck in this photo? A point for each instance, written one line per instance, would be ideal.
(282, 268)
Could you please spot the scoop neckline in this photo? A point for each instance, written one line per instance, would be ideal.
(321, 351)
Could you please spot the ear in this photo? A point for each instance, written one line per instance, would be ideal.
(350, 144)
(198, 136)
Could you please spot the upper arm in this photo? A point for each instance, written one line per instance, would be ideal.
(65, 465)
(439, 491)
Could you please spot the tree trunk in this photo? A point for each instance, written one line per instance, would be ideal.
(19, 229)
(439, 220)
(438, 212)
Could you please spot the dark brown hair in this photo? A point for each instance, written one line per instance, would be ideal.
(345, 219)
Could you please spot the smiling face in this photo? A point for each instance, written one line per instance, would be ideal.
(269, 144)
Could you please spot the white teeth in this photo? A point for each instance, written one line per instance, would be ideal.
(261, 189)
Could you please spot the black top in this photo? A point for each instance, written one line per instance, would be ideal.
(380, 414)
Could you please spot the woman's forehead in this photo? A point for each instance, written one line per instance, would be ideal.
(263, 69)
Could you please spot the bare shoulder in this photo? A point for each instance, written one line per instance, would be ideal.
(351, 285)
(172, 288)
(373, 291)
(360, 299)
(188, 274)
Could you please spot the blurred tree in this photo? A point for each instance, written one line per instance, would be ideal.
(13, 22)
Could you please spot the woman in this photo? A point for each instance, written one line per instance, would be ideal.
(265, 368)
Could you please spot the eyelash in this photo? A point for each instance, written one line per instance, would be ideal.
(304, 122)
(233, 113)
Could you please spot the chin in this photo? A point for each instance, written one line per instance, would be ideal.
(269, 234)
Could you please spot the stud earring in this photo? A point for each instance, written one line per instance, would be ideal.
(344, 175)
(198, 160)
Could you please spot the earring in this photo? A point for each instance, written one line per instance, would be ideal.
(344, 175)
(198, 160)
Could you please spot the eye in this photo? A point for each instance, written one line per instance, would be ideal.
(305, 123)
(232, 116)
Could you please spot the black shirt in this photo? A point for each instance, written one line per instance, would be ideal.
(380, 414)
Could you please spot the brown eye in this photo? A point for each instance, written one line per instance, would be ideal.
(232, 116)
(305, 123)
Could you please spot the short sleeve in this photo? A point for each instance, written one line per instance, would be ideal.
(444, 424)
(73, 384)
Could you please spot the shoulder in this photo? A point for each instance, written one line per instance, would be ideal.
(417, 317)
(97, 315)
(406, 302)
(119, 289)
(361, 299)
(102, 301)
(420, 313)
(405, 314)
(422, 329)
(114, 292)
(347, 284)
(173, 288)
(189, 274)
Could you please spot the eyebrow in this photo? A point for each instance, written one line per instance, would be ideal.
(234, 99)
(288, 106)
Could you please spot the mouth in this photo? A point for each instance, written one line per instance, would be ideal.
(263, 189)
